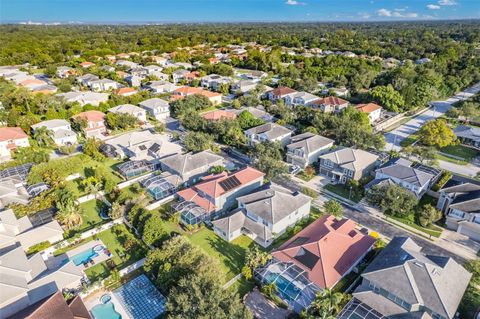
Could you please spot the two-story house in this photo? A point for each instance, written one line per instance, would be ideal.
(62, 133)
(401, 172)
(84, 97)
(279, 93)
(179, 75)
(214, 97)
(104, 85)
(243, 86)
(346, 163)
(10, 139)
(95, 121)
(374, 111)
(300, 98)
(264, 214)
(215, 81)
(159, 87)
(404, 282)
(87, 79)
(330, 104)
(156, 108)
(131, 110)
(216, 193)
(461, 206)
(270, 132)
(468, 135)
(306, 148)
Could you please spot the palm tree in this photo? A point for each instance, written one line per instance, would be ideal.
(116, 210)
(92, 185)
(327, 304)
(69, 216)
(43, 136)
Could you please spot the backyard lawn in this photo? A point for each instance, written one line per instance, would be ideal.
(343, 192)
(91, 214)
(460, 151)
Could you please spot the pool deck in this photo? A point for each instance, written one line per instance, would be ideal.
(94, 299)
(58, 260)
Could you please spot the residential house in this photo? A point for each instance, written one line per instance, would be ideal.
(134, 80)
(243, 86)
(84, 97)
(182, 65)
(461, 206)
(141, 145)
(300, 98)
(306, 148)
(330, 104)
(253, 75)
(403, 282)
(179, 75)
(258, 112)
(27, 230)
(10, 139)
(56, 307)
(138, 71)
(62, 133)
(87, 64)
(279, 93)
(64, 72)
(160, 87)
(215, 81)
(219, 115)
(213, 97)
(107, 68)
(346, 163)
(126, 91)
(123, 56)
(32, 83)
(156, 108)
(373, 111)
(316, 258)
(152, 69)
(44, 89)
(87, 79)
(104, 85)
(95, 121)
(190, 167)
(468, 135)
(130, 109)
(401, 172)
(159, 60)
(268, 132)
(216, 193)
(263, 214)
(127, 64)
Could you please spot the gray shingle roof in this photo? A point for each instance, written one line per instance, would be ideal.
(349, 158)
(184, 163)
(468, 132)
(309, 142)
(271, 130)
(406, 173)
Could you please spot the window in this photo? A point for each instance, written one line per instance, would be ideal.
(456, 213)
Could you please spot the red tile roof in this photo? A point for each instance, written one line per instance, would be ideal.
(32, 81)
(211, 185)
(218, 115)
(283, 90)
(188, 90)
(91, 116)
(368, 108)
(11, 133)
(124, 91)
(326, 249)
(86, 64)
(330, 100)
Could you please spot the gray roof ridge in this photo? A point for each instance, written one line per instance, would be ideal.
(411, 281)
(436, 290)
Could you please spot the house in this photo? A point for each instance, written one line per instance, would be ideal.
(214, 194)
(403, 282)
(126, 91)
(401, 172)
(243, 86)
(258, 112)
(130, 109)
(141, 145)
(373, 111)
(306, 148)
(179, 75)
(123, 56)
(10, 139)
(134, 80)
(461, 206)
(95, 121)
(127, 64)
(215, 81)
(152, 69)
(266, 211)
(64, 72)
(190, 167)
(26, 281)
(32, 83)
(87, 79)
(300, 98)
(84, 97)
(111, 58)
(159, 60)
(253, 75)
(138, 72)
(44, 89)
(86, 64)
(316, 258)
(56, 307)
(61, 129)
(213, 97)
(468, 135)
(219, 115)
(28, 231)
(343, 92)
(330, 104)
(346, 163)
(268, 132)
(104, 85)
(160, 87)
(279, 93)
(156, 108)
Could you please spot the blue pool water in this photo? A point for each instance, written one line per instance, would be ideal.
(105, 311)
(83, 257)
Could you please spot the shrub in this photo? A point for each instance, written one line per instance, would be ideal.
(38, 247)
(309, 192)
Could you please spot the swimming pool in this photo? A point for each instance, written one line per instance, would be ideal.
(105, 311)
(85, 256)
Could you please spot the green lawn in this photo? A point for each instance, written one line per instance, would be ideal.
(432, 230)
(343, 192)
(91, 214)
(305, 177)
(409, 140)
(242, 287)
(449, 159)
(461, 151)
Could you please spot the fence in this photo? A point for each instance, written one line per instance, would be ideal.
(160, 202)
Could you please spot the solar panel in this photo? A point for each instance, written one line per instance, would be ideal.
(298, 241)
(42, 217)
(19, 172)
(154, 148)
(142, 147)
(307, 258)
(229, 183)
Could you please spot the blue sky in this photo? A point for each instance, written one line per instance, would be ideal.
(234, 10)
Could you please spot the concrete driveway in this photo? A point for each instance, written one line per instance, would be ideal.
(262, 308)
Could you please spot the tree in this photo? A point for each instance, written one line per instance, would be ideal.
(392, 199)
(255, 258)
(193, 102)
(198, 297)
(32, 154)
(92, 185)
(153, 231)
(334, 208)
(429, 215)
(247, 120)
(437, 133)
(470, 110)
(198, 141)
(91, 147)
(326, 305)
(116, 210)
(268, 159)
(120, 121)
(43, 136)
(388, 97)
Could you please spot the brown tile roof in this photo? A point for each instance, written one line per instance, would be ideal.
(91, 116)
(283, 90)
(326, 249)
(86, 63)
(11, 133)
(368, 108)
(188, 90)
(123, 91)
(218, 115)
(330, 100)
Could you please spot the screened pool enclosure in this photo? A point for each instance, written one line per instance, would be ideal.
(158, 187)
(190, 213)
(133, 169)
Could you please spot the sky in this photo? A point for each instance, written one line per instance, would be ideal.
(145, 11)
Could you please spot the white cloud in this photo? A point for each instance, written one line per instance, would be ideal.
(294, 3)
(396, 14)
(433, 7)
(384, 13)
(447, 2)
